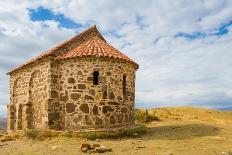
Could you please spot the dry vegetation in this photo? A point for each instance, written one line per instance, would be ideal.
(176, 131)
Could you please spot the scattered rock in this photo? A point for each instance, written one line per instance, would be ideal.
(102, 149)
(94, 148)
(85, 147)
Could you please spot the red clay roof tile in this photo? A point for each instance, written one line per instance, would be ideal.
(91, 43)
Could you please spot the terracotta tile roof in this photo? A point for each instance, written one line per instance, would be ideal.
(94, 46)
(90, 43)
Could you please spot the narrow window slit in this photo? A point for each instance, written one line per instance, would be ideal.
(95, 78)
(124, 86)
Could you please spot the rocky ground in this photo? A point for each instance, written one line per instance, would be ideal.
(181, 131)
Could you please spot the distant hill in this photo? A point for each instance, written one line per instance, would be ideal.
(3, 123)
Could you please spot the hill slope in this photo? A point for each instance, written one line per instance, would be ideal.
(180, 131)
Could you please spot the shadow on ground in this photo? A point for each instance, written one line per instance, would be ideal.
(178, 132)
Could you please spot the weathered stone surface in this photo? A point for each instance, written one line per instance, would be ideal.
(113, 103)
(102, 149)
(81, 86)
(54, 94)
(71, 80)
(85, 147)
(107, 108)
(84, 108)
(92, 92)
(87, 97)
(70, 107)
(90, 79)
(79, 73)
(95, 110)
(120, 118)
(112, 120)
(98, 121)
(111, 96)
(75, 96)
(88, 120)
(124, 110)
(64, 98)
(53, 116)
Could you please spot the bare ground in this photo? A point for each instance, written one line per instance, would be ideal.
(181, 131)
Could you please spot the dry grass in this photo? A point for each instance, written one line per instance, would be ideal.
(144, 116)
(179, 131)
(134, 132)
(190, 113)
(40, 134)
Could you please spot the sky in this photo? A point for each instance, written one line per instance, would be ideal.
(183, 47)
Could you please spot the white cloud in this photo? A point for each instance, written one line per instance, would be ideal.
(173, 71)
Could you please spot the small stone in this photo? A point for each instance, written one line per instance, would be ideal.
(95, 110)
(111, 95)
(54, 94)
(70, 107)
(106, 109)
(112, 120)
(71, 80)
(124, 110)
(93, 146)
(102, 149)
(98, 121)
(113, 103)
(79, 73)
(75, 96)
(84, 108)
(64, 98)
(81, 86)
(92, 92)
(87, 97)
(88, 120)
(85, 147)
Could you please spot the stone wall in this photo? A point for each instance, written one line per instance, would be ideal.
(61, 94)
(85, 105)
(29, 97)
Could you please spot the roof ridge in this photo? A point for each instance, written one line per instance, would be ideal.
(54, 51)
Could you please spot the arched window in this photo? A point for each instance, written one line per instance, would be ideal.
(124, 86)
(95, 77)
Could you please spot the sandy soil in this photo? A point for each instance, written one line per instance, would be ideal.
(174, 136)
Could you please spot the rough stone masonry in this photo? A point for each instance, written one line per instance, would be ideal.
(83, 83)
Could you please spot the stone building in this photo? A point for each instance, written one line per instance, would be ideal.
(83, 83)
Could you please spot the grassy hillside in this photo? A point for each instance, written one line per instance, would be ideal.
(173, 131)
(190, 113)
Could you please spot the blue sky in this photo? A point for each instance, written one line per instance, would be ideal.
(183, 47)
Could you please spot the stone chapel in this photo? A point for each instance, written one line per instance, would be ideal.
(81, 84)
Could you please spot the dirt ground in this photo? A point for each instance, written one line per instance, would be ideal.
(165, 137)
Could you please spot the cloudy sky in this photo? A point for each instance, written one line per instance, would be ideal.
(183, 47)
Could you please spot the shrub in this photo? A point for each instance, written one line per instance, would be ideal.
(40, 134)
(115, 134)
(142, 116)
(32, 133)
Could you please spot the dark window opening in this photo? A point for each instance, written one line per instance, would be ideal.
(95, 77)
(124, 86)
